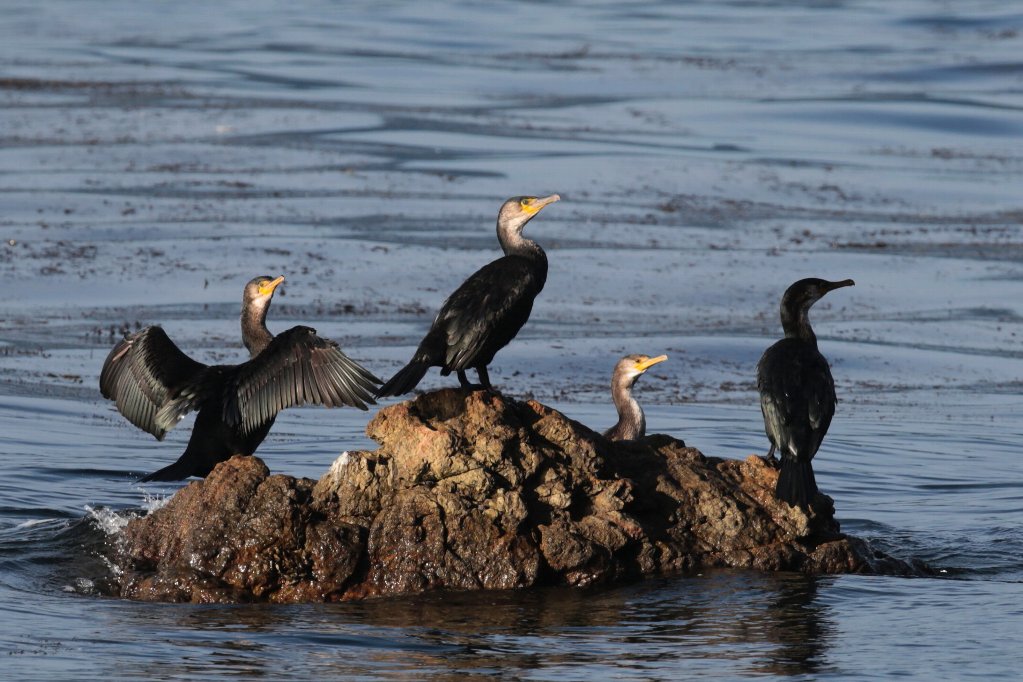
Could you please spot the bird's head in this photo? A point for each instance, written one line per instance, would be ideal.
(518, 211)
(260, 290)
(631, 367)
(800, 296)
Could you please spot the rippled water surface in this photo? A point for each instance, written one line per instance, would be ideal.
(154, 157)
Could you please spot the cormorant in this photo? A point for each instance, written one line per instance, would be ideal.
(487, 310)
(797, 392)
(155, 384)
(631, 421)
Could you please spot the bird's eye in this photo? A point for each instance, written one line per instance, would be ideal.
(525, 201)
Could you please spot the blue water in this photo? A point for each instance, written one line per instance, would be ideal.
(153, 158)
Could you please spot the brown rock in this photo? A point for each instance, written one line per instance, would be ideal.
(476, 491)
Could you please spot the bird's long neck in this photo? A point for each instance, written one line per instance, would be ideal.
(255, 335)
(631, 420)
(796, 323)
(514, 244)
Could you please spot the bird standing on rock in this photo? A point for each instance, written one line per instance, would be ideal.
(486, 312)
(631, 420)
(155, 384)
(797, 392)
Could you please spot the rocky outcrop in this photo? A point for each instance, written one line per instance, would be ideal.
(476, 491)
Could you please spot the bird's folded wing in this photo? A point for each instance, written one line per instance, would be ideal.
(141, 373)
(820, 398)
(298, 367)
(478, 309)
(798, 394)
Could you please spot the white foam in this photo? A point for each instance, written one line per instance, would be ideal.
(150, 502)
(108, 520)
(81, 586)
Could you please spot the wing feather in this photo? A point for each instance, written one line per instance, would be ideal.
(297, 368)
(488, 309)
(141, 375)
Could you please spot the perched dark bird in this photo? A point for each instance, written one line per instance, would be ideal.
(487, 310)
(797, 392)
(155, 385)
(631, 420)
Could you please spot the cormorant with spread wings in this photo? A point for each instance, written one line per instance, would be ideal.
(155, 384)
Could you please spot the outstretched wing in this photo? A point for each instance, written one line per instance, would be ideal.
(141, 374)
(797, 396)
(298, 367)
(488, 310)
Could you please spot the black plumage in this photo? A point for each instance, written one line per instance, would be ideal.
(631, 423)
(797, 392)
(486, 312)
(155, 384)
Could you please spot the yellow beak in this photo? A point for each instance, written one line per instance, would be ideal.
(540, 202)
(270, 286)
(644, 365)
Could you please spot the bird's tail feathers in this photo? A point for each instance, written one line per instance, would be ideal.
(407, 378)
(175, 472)
(796, 483)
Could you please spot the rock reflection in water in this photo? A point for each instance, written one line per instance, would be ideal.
(799, 625)
(761, 623)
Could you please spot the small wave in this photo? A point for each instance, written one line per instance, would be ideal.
(82, 586)
(108, 520)
(31, 523)
(112, 522)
